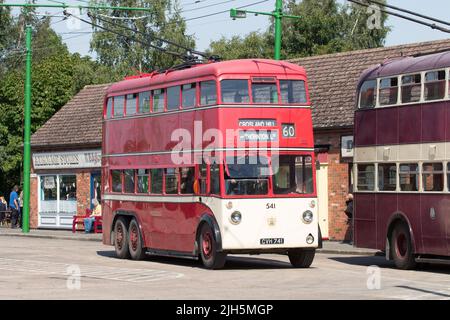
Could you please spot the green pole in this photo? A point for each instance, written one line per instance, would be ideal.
(278, 13)
(26, 140)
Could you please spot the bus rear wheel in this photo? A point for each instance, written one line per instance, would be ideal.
(121, 238)
(301, 258)
(137, 252)
(211, 258)
(402, 249)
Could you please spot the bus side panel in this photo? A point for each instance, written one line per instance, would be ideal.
(409, 205)
(364, 220)
(434, 208)
(409, 124)
(386, 206)
(387, 126)
(365, 127)
(433, 116)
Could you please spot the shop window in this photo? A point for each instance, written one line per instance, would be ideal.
(293, 91)
(171, 180)
(187, 180)
(119, 103)
(156, 179)
(411, 88)
(366, 177)
(109, 108)
(131, 104)
(189, 95)
(67, 193)
(144, 102)
(433, 177)
(388, 91)
(387, 177)
(368, 95)
(265, 93)
(128, 179)
(173, 98)
(434, 85)
(409, 177)
(116, 179)
(208, 93)
(234, 91)
(142, 180)
(48, 194)
(158, 100)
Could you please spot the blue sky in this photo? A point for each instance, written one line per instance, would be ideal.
(214, 27)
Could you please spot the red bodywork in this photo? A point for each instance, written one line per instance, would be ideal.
(172, 225)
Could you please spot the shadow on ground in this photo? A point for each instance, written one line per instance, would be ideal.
(233, 262)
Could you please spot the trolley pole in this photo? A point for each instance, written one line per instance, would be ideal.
(27, 135)
(278, 16)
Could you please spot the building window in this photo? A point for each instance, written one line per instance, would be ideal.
(116, 179)
(142, 180)
(128, 179)
(189, 95)
(293, 91)
(119, 103)
(434, 85)
(173, 98)
(366, 177)
(387, 177)
(144, 102)
(48, 194)
(109, 108)
(234, 91)
(409, 177)
(156, 179)
(433, 177)
(388, 91)
(171, 181)
(131, 104)
(158, 100)
(411, 88)
(187, 180)
(208, 93)
(265, 93)
(368, 96)
(67, 194)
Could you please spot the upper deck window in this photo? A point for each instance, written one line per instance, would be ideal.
(208, 93)
(411, 88)
(388, 91)
(119, 103)
(189, 95)
(434, 85)
(109, 108)
(234, 91)
(173, 98)
(144, 102)
(368, 95)
(293, 91)
(131, 104)
(158, 100)
(265, 93)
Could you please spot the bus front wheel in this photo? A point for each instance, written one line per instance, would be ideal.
(301, 258)
(402, 249)
(121, 238)
(137, 252)
(211, 258)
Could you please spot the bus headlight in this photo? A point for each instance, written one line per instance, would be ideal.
(307, 216)
(236, 217)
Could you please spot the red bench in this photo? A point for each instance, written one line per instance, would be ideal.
(79, 220)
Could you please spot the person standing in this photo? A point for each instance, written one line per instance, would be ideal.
(20, 208)
(14, 206)
(349, 212)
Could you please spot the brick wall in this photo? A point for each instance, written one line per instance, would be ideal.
(34, 202)
(83, 191)
(338, 183)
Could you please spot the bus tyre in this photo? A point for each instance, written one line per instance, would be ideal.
(137, 252)
(301, 258)
(211, 259)
(121, 238)
(402, 249)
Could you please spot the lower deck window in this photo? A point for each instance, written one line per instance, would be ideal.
(387, 177)
(433, 177)
(156, 180)
(187, 180)
(409, 177)
(116, 179)
(142, 181)
(172, 181)
(366, 177)
(247, 175)
(293, 174)
(129, 181)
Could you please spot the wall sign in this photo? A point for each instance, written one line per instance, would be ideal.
(347, 146)
(62, 160)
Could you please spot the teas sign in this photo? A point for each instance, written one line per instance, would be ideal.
(60, 160)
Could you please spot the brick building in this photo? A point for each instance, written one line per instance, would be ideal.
(66, 149)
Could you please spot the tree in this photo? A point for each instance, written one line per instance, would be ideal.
(128, 56)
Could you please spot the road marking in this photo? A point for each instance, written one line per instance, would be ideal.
(89, 271)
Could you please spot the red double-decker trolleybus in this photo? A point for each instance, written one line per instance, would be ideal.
(402, 157)
(211, 160)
